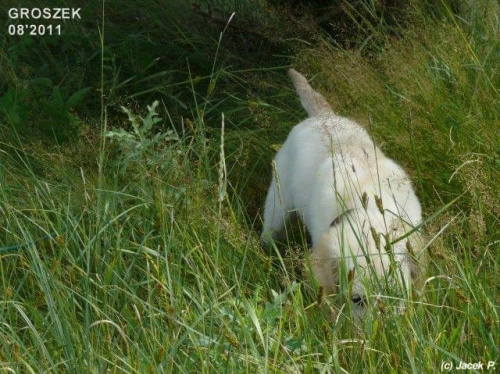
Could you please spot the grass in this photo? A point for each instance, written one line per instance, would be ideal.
(138, 251)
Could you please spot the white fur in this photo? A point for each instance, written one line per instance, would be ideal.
(322, 171)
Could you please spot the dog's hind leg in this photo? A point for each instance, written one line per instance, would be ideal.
(276, 214)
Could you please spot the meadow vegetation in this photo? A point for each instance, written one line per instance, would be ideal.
(136, 152)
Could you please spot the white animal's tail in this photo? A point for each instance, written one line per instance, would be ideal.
(313, 102)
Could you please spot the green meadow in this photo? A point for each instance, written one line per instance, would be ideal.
(135, 155)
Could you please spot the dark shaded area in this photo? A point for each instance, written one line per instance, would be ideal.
(163, 50)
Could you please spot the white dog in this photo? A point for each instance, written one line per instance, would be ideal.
(355, 202)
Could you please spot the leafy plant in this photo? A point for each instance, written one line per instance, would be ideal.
(143, 146)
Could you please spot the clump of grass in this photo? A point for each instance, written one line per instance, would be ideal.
(132, 257)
